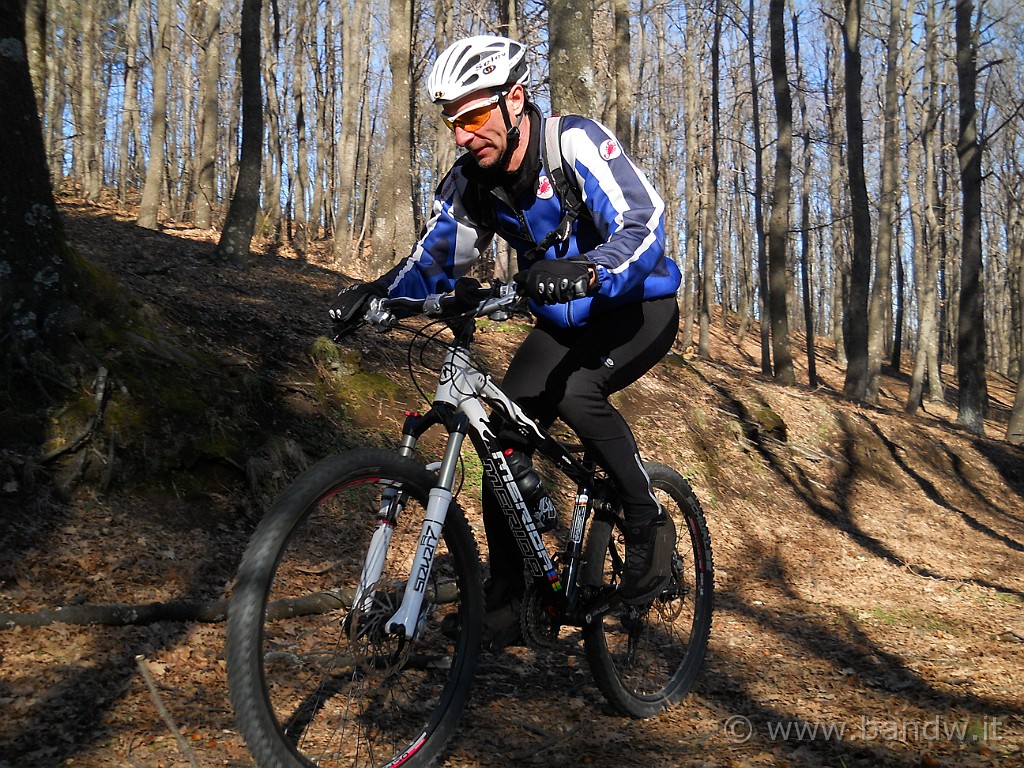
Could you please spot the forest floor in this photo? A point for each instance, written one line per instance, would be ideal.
(869, 565)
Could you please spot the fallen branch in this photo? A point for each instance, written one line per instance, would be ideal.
(118, 615)
(547, 743)
(207, 612)
(183, 744)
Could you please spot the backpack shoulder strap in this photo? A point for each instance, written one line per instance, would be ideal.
(568, 195)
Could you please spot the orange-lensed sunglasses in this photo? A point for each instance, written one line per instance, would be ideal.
(473, 118)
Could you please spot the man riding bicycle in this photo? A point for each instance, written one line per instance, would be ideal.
(603, 291)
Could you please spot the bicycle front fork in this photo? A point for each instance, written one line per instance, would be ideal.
(406, 619)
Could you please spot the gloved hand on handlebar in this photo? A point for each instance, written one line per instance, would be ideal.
(349, 305)
(555, 281)
(468, 292)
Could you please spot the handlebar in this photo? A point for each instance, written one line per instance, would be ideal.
(497, 302)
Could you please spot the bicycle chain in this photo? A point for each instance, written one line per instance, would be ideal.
(538, 628)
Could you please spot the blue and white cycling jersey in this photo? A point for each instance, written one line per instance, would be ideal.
(623, 235)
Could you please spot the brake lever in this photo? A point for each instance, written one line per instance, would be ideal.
(379, 317)
(505, 311)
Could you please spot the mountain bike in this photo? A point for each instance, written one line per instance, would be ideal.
(356, 616)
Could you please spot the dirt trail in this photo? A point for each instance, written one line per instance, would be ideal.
(869, 566)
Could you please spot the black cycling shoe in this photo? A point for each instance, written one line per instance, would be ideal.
(648, 567)
(503, 627)
(502, 622)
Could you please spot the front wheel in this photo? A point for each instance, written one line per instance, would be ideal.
(316, 676)
(646, 657)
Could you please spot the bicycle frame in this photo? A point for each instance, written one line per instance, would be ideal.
(459, 404)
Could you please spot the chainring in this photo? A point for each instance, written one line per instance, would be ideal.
(540, 629)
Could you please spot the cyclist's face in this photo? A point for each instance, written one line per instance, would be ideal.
(478, 124)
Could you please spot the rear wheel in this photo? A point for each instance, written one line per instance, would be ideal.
(646, 657)
(318, 680)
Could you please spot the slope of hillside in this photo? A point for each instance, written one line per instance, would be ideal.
(869, 566)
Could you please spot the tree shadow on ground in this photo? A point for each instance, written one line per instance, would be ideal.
(863, 670)
(832, 505)
(71, 717)
(933, 493)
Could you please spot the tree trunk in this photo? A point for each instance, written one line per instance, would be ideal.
(353, 73)
(241, 218)
(89, 124)
(206, 161)
(321, 214)
(621, 57)
(273, 148)
(570, 57)
(899, 295)
(805, 213)
(301, 183)
(56, 102)
(881, 292)
(35, 44)
(33, 256)
(711, 223)
(934, 210)
(837, 202)
(689, 289)
(508, 21)
(778, 226)
(1015, 429)
(971, 329)
(152, 191)
(394, 228)
(762, 254)
(855, 313)
(128, 152)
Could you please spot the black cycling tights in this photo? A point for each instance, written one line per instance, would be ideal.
(570, 373)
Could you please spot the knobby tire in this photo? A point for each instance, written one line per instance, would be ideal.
(646, 658)
(316, 681)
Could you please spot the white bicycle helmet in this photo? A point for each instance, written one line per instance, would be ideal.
(474, 64)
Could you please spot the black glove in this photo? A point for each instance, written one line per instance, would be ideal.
(468, 293)
(349, 305)
(555, 281)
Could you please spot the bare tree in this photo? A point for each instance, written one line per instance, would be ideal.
(89, 130)
(762, 254)
(393, 229)
(241, 217)
(805, 210)
(206, 158)
(778, 225)
(690, 288)
(855, 312)
(620, 58)
(926, 359)
(353, 73)
(570, 56)
(881, 293)
(1015, 429)
(130, 144)
(299, 86)
(971, 331)
(708, 240)
(35, 44)
(840, 287)
(152, 191)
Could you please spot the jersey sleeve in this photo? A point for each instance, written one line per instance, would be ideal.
(450, 243)
(626, 209)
